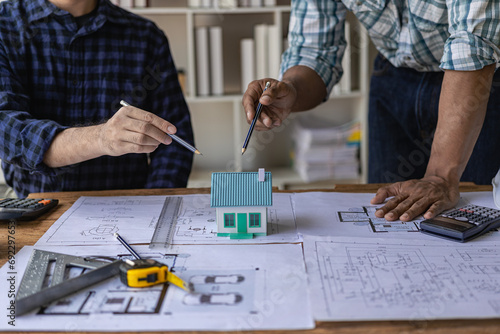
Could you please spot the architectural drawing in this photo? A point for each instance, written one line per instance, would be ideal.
(365, 215)
(236, 287)
(102, 230)
(93, 220)
(376, 279)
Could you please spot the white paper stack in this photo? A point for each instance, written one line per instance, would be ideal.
(324, 150)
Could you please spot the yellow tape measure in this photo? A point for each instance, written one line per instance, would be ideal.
(147, 272)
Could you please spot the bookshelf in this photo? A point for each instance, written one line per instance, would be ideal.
(218, 120)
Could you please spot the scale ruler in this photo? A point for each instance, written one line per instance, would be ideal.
(164, 230)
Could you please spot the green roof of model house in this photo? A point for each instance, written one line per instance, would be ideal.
(241, 189)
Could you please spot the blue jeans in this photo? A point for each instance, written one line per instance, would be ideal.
(403, 113)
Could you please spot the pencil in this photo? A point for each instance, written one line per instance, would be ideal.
(127, 246)
(174, 137)
(252, 125)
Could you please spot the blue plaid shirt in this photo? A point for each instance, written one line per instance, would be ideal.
(54, 75)
(426, 35)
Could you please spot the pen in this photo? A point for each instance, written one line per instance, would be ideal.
(174, 137)
(127, 246)
(255, 118)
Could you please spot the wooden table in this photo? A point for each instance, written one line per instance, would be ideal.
(27, 233)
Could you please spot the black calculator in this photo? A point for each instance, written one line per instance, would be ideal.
(462, 224)
(25, 208)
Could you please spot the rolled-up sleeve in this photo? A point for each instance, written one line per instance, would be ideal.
(316, 39)
(474, 35)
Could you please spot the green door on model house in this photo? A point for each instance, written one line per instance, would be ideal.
(242, 223)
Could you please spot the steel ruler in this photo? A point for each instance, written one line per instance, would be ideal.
(165, 228)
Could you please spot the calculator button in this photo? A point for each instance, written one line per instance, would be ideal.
(462, 219)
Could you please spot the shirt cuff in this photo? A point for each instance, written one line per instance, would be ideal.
(469, 52)
(329, 73)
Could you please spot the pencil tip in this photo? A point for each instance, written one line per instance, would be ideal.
(198, 152)
(243, 150)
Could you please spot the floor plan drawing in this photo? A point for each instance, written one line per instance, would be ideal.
(235, 287)
(374, 279)
(365, 216)
(351, 215)
(94, 220)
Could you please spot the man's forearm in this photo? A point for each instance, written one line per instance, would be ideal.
(72, 146)
(311, 89)
(462, 108)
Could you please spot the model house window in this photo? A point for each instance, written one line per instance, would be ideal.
(229, 220)
(254, 219)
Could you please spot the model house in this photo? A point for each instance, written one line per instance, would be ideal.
(240, 201)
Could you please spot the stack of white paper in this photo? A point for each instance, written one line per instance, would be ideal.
(324, 151)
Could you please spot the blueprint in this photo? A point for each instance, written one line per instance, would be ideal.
(244, 287)
(94, 220)
(351, 215)
(380, 279)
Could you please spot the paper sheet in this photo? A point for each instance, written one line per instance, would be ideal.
(94, 220)
(352, 215)
(378, 279)
(244, 287)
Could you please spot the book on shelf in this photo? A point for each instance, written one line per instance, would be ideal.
(260, 56)
(209, 61)
(344, 85)
(230, 3)
(247, 52)
(324, 150)
(216, 61)
(202, 62)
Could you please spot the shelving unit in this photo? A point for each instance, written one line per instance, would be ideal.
(218, 121)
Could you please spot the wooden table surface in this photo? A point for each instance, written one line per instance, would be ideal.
(28, 233)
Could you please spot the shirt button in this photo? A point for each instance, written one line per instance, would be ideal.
(75, 82)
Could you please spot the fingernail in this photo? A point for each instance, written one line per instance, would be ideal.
(405, 216)
(265, 99)
(277, 123)
(379, 212)
(171, 129)
(390, 215)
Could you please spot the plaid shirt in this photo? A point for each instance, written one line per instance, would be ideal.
(54, 75)
(425, 35)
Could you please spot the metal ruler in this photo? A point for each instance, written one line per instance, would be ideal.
(165, 228)
(35, 290)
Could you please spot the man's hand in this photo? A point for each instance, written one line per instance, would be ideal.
(277, 102)
(133, 130)
(130, 130)
(300, 89)
(428, 196)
